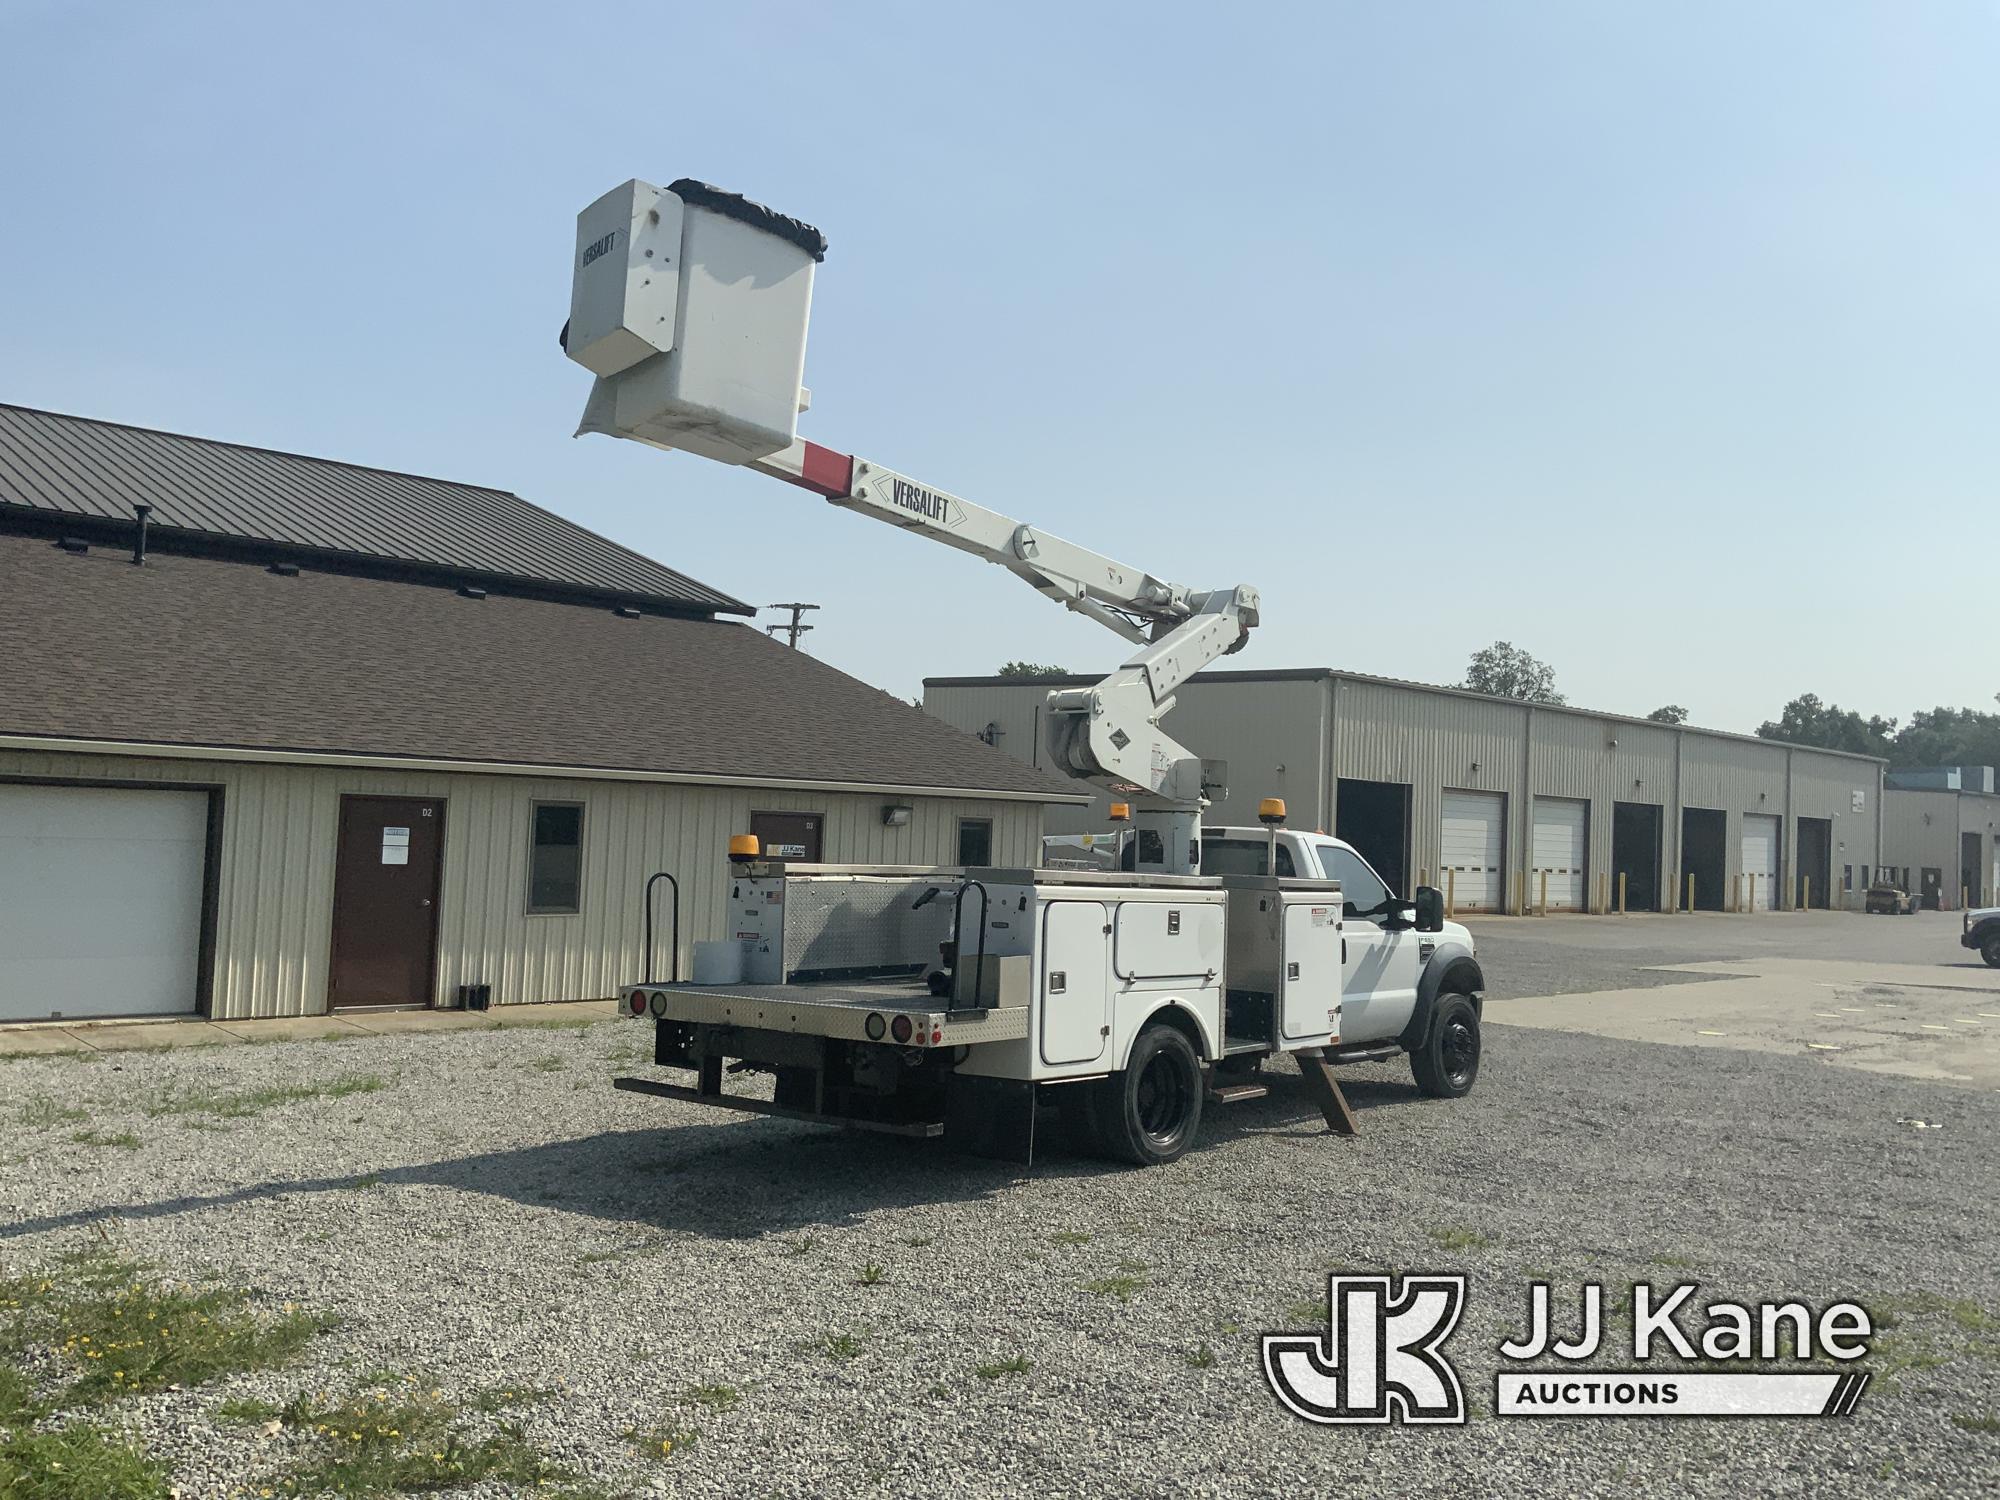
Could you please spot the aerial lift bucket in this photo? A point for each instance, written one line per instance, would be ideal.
(690, 305)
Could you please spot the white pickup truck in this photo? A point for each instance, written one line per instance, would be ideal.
(956, 1002)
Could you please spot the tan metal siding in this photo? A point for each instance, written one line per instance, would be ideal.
(279, 826)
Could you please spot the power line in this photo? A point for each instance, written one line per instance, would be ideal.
(795, 628)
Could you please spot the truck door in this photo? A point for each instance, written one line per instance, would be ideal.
(1075, 987)
(1380, 976)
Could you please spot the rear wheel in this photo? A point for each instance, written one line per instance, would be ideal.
(1148, 1114)
(1448, 1061)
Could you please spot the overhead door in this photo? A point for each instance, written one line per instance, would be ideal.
(1760, 861)
(100, 901)
(1471, 849)
(1560, 826)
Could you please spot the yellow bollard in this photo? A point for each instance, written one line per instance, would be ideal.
(1690, 905)
(1451, 892)
(1753, 891)
(1545, 893)
(1621, 893)
(1805, 895)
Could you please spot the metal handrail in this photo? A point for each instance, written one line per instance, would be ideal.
(673, 952)
(958, 942)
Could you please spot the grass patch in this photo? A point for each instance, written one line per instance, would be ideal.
(803, 1245)
(1306, 1310)
(715, 1397)
(660, 1442)
(1201, 1358)
(248, 1410)
(841, 1346)
(119, 1334)
(549, 1064)
(1985, 1422)
(1455, 1237)
(1070, 1237)
(1121, 1286)
(246, 1103)
(374, 1443)
(918, 1241)
(123, 1139)
(41, 1112)
(1016, 1364)
(872, 1275)
(78, 1460)
(365, 1181)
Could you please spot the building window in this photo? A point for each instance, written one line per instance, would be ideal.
(555, 859)
(1864, 877)
(975, 841)
(1847, 877)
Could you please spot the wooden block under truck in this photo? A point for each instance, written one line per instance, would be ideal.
(956, 1002)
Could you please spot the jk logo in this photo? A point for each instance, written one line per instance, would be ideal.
(1379, 1359)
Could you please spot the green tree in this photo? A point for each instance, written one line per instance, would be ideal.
(1807, 720)
(1673, 713)
(1504, 670)
(1031, 669)
(1949, 737)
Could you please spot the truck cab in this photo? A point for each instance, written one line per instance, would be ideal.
(1396, 979)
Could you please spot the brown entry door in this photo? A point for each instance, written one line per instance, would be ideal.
(385, 893)
(789, 835)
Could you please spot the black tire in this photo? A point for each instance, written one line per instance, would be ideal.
(1447, 1064)
(1989, 949)
(1148, 1114)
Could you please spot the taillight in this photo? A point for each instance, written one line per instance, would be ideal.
(900, 1028)
(659, 1005)
(637, 1002)
(875, 1025)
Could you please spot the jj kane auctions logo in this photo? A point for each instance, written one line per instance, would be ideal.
(1382, 1360)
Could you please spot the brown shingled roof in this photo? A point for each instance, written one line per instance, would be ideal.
(199, 651)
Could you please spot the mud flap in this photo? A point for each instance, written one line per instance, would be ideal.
(992, 1117)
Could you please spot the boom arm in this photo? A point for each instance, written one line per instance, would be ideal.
(690, 306)
(1109, 734)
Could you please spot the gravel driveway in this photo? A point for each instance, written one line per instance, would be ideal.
(493, 1215)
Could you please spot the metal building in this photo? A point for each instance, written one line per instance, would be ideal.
(347, 738)
(1941, 835)
(1506, 804)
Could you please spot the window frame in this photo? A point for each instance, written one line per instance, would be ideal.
(962, 825)
(535, 846)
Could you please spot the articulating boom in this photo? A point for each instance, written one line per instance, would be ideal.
(672, 288)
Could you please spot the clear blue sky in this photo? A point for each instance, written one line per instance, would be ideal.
(1661, 340)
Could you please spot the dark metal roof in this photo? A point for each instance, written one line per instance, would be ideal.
(319, 508)
(204, 651)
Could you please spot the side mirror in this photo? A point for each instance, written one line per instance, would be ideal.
(1430, 909)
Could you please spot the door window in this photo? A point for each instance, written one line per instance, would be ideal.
(1360, 887)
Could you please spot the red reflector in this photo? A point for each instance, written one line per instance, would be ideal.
(937, 1035)
(900, 1028)
(638, 1003)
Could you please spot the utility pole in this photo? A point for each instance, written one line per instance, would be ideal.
(792, 631)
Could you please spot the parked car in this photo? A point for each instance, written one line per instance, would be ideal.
(1982, 933)
(1889, 899)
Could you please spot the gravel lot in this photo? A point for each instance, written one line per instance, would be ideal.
(496, 1215)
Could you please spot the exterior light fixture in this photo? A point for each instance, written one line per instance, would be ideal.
(895, 815)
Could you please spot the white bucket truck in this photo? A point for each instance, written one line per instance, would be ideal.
(955, 1001)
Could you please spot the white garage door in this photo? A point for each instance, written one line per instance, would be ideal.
(1760, 858)
(1471, 848)
(1560, 824)
(100, 901)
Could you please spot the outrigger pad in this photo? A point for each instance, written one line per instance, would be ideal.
(991, 1117)
(1324, 1089)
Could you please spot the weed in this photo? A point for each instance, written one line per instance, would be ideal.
(123, 1139)
(1201, 1358)
(121, 1334)
(1453, 1237)
(1306, 1310)
(841, 1346)
(249, 1102)
(1985, 1422)
(364, 1181)
(1070, 1237)
(80, 1459)
(41, 1112)
(716, 1397)
(660, 1442)
(549, 1064)
(492, 1399)
(247, 1409)
(1015, 1364)
(872, 1275)
(803, 1245)
(374, 1443)
(1122, 1286)
(918, 1241)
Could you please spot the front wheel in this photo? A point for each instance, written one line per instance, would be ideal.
(1148, 1114)
(1447, 1062)
(1990, 949)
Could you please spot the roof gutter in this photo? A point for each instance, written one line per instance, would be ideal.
(509, 768)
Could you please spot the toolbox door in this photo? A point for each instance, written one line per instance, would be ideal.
(1074, 987)
(1311, 976)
